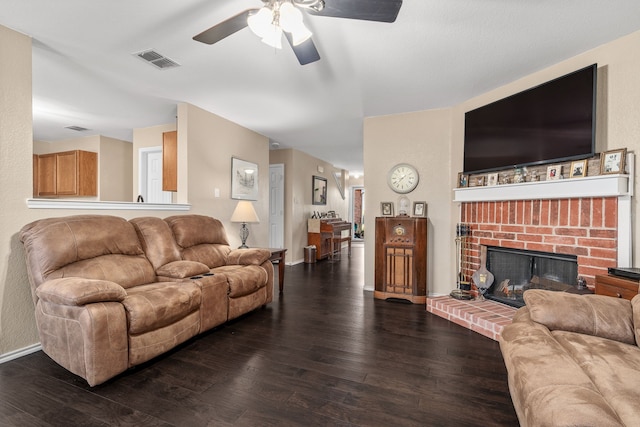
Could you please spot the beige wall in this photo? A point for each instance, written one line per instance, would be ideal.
(299, 168)
(114, 163)
(422, 140)
(208, 142)
(618, 126)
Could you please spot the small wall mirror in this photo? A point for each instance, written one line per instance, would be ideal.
(319, 190)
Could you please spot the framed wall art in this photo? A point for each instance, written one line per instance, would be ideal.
(463, 180)
(244, 180)
(386, 208)
(612, 161)
(554, 172)
(319, 190)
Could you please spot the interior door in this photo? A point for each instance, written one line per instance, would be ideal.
(154, 193)
(276, 206)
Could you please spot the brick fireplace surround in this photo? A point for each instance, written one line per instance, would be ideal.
(588, 227)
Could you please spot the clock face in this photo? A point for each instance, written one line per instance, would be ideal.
(403, 178)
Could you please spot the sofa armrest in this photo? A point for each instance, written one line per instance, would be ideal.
(182, 269)
(78, 291)
(251, 256)
(596, 315)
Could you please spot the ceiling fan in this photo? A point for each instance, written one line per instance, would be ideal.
(284, 17)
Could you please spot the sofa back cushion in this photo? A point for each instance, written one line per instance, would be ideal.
(91, 246)
(635, 305)
(200, 238)
(157, 240)
(596, 315)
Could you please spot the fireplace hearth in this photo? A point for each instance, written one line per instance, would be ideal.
(517, 270)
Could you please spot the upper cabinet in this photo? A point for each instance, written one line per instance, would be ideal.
(69, 173)
(170, 161)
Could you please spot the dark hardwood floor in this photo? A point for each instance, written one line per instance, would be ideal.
(323, 353)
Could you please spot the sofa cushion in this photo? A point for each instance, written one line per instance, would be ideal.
(548, 387)
(157, 240)
(614, 368)
(243, 280)
(74, 242)
(153, 306)
(251, 256)
(596, 315)
(635, 305)
(191, 230)
(182, 269)
(212, 255)
(80, 291)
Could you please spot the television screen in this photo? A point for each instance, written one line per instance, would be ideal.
(552, 122)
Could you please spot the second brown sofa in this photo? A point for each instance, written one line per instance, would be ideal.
(110, 294)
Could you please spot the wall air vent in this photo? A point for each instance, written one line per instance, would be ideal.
(156, 59)
(76, 128)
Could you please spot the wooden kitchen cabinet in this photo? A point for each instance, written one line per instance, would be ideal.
(68, 173)
(170, 161)
(401, 259)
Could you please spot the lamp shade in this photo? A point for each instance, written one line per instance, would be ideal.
(244, 212)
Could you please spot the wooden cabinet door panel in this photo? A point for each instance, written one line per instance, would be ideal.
(170, 161)
(46, 175)
(67, 173)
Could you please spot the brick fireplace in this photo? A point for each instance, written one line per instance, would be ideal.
(587, 217)
(585, 227)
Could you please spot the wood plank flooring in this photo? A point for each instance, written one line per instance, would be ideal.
(324, 353)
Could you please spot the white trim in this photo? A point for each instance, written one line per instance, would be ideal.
(12, 355)
(625, 239)
(95, 205)
(570, 188)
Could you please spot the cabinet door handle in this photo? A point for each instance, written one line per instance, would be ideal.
(618, 294)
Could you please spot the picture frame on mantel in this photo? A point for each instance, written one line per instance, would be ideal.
(554, 172)
(244, 180)
(612, 161)
(578, 169)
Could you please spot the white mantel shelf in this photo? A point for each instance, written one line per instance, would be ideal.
(591, 186)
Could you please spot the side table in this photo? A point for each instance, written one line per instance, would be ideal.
(278, 254)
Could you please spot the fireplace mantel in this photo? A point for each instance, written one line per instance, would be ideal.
(593, 186)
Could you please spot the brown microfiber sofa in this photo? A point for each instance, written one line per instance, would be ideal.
(110, 293)
(574, 360)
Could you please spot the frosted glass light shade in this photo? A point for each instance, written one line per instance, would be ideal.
(261, 22)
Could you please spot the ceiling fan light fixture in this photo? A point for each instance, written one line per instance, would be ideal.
(261, 22)
(300, 34)
(273, 37)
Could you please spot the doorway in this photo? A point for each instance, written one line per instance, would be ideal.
(150, 176)
(357, 210)
(276, 206)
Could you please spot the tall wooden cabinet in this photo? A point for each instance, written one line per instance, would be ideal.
(68, 173)
(401, 258)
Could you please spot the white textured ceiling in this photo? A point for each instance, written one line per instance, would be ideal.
(437, 54)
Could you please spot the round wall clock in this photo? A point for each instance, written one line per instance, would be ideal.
(403, 178)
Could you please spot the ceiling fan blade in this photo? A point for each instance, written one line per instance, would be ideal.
(306, 51)
(225, 28)
(368, 10)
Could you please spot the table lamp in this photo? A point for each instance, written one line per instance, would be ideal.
(244, 213)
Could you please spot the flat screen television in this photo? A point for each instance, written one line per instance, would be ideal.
(552, 122)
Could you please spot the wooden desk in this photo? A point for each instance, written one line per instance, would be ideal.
(278, 254)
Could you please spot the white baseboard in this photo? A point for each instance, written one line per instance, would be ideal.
(12, 355)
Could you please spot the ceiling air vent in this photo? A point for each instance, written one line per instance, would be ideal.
(76, 128)
(156, 59)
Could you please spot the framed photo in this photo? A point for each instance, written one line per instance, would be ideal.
(554, 172)
(480, 181)
(419, 208)
(578, 169)
(463, 180)
(386, 208)
(612, 161)
(319, 190)
(492, 179)
(244, 180)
